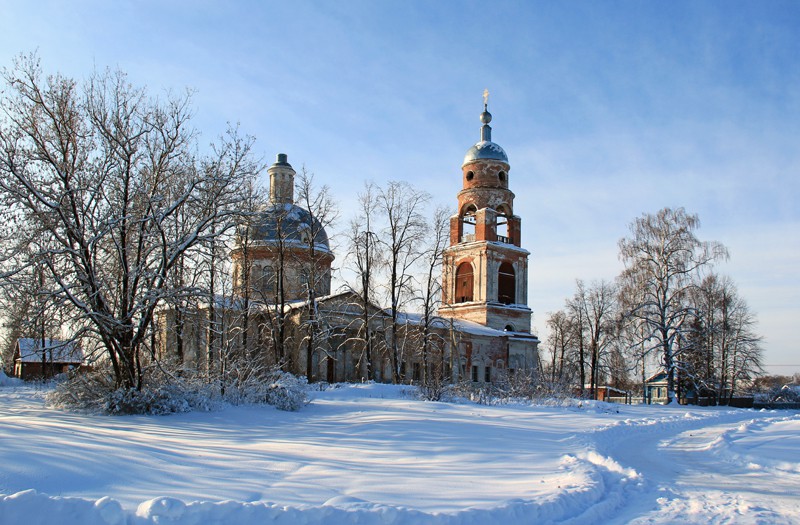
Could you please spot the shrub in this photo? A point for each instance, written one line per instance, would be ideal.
(287, 392)
(167, 399)
(179, 390)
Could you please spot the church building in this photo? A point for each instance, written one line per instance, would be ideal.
(282, 311)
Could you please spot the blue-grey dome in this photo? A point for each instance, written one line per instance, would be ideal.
(485, 149)
(291, 223)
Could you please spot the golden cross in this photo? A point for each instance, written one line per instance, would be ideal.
(485, 97)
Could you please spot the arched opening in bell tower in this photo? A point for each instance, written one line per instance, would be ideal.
(464, 283)
(468, 223)
(506, 284)
(501, 226)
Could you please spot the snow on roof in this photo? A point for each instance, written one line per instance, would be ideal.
(588, 386)
(302, 303)
(30, 350)
(658, 377)
(461, 325)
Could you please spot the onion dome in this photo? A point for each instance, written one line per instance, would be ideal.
(485, 149)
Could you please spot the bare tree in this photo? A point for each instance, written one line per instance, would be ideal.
(31, 311)
(89, 169)
(274, 282)
(438, 240)
(365, 258)
(592, 314)
(226, 172)
(577, 313)
(600, 310)
(662, 258)
(315, 264)
(402, 207)
(253, 200)
(561, 343)
(722, 346)
(634, 345)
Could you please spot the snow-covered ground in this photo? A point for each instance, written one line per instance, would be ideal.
(370, 454)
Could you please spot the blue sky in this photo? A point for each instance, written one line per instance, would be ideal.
(606, 110)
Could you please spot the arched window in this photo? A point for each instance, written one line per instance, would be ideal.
(506, 284)
(464, 281)
(470, 175)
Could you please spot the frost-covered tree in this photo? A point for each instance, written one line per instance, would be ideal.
(223, 179)
(322, 210)
(98, 172)
(600, 317)
(663, 258)
(253, 200)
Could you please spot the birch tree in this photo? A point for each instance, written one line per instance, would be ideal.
(662, 258)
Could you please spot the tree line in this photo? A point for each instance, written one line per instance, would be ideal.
(667, 311)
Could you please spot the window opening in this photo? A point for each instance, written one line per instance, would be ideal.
(501, 225)
(464, 283)
(506, 284)
(468, 224)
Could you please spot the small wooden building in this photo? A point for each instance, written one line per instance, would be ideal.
(44, 358)
(605, 393)
(656, 389)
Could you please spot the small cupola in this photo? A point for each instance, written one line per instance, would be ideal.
(281, 181)
(485, 149)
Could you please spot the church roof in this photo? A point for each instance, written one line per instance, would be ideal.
(485, 149)
(290, 223)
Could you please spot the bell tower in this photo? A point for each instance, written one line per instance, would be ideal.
(485, 270)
